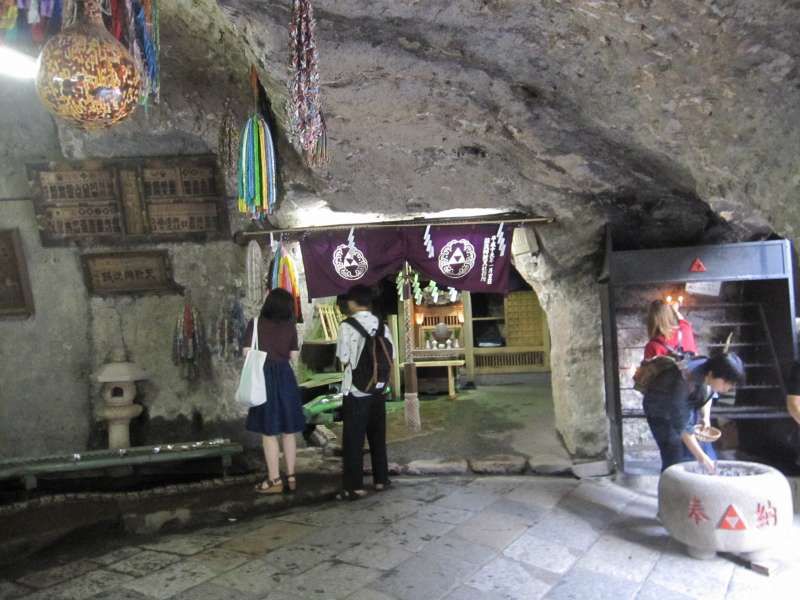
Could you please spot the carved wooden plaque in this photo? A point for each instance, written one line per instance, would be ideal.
(146, 272)
(129, 201)
(16, 299)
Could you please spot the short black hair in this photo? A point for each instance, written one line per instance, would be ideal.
(341, 303)
(727, 366)
(278, 306)
(361, 295)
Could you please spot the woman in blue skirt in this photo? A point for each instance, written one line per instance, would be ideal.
(282, 414)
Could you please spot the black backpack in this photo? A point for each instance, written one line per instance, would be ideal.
(372, 373)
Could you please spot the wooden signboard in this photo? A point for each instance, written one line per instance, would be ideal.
(16, 299)
(145, 272)
(121, 201)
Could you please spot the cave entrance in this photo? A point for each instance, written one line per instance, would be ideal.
(482, 363)
(483, 375)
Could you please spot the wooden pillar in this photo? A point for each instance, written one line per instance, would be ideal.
(411, 399)
(396, 364)
(469, 340)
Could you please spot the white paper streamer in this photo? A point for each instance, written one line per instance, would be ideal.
(501, 239)
(428, 241)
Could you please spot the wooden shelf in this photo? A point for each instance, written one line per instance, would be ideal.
(488, 318)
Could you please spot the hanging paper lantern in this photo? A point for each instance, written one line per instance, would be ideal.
(86, 77)
(257, 179)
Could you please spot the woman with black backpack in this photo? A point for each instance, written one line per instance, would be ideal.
(673, 396)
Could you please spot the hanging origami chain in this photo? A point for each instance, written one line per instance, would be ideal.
(304, 107)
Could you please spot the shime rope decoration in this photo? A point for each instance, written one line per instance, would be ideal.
(304, 107)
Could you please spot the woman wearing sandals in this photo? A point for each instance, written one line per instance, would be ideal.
(282, 414)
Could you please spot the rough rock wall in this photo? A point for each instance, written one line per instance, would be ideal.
(44, 361)
(47, 401)
(570, 298)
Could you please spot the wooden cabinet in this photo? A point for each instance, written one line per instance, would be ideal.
(496, 334)
(509, 335)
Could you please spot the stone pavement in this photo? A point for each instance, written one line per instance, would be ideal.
(459, 538)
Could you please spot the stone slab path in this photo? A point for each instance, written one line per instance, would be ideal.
(454, 538)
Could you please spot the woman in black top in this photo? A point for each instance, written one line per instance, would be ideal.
(281, 416)
(672, 398)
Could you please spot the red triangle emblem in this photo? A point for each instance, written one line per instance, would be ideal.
(697, 266)
(731, 520)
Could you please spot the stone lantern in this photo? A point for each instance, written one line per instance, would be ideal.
(119, 379)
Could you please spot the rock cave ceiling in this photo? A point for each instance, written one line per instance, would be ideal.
(677, 120)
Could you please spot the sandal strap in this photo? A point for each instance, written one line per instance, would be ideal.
(268, 483)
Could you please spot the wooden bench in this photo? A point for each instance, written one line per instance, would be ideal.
(28, 469)
(450, 364)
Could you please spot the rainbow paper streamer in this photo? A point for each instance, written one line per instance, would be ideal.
(256, 180)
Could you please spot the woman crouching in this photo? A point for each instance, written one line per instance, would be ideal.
(673, 397)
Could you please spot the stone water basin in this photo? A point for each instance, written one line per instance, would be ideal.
(744, 508)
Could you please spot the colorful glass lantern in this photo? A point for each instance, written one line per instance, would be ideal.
(87, 77)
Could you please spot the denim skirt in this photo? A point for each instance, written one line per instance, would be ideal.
(282, 412)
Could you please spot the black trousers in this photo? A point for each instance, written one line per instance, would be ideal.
(363, 417)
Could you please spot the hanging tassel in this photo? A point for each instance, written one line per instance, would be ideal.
(256, 179)
(188, 326)
(117, 27)
(149, 52)
(255, 274)
(228, 142)
(133, 42)
(319, 154)
(238, 327)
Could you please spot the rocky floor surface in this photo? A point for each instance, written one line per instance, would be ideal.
(459, 538)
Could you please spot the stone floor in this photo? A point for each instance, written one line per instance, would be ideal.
(487, 421)
(456, 538)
